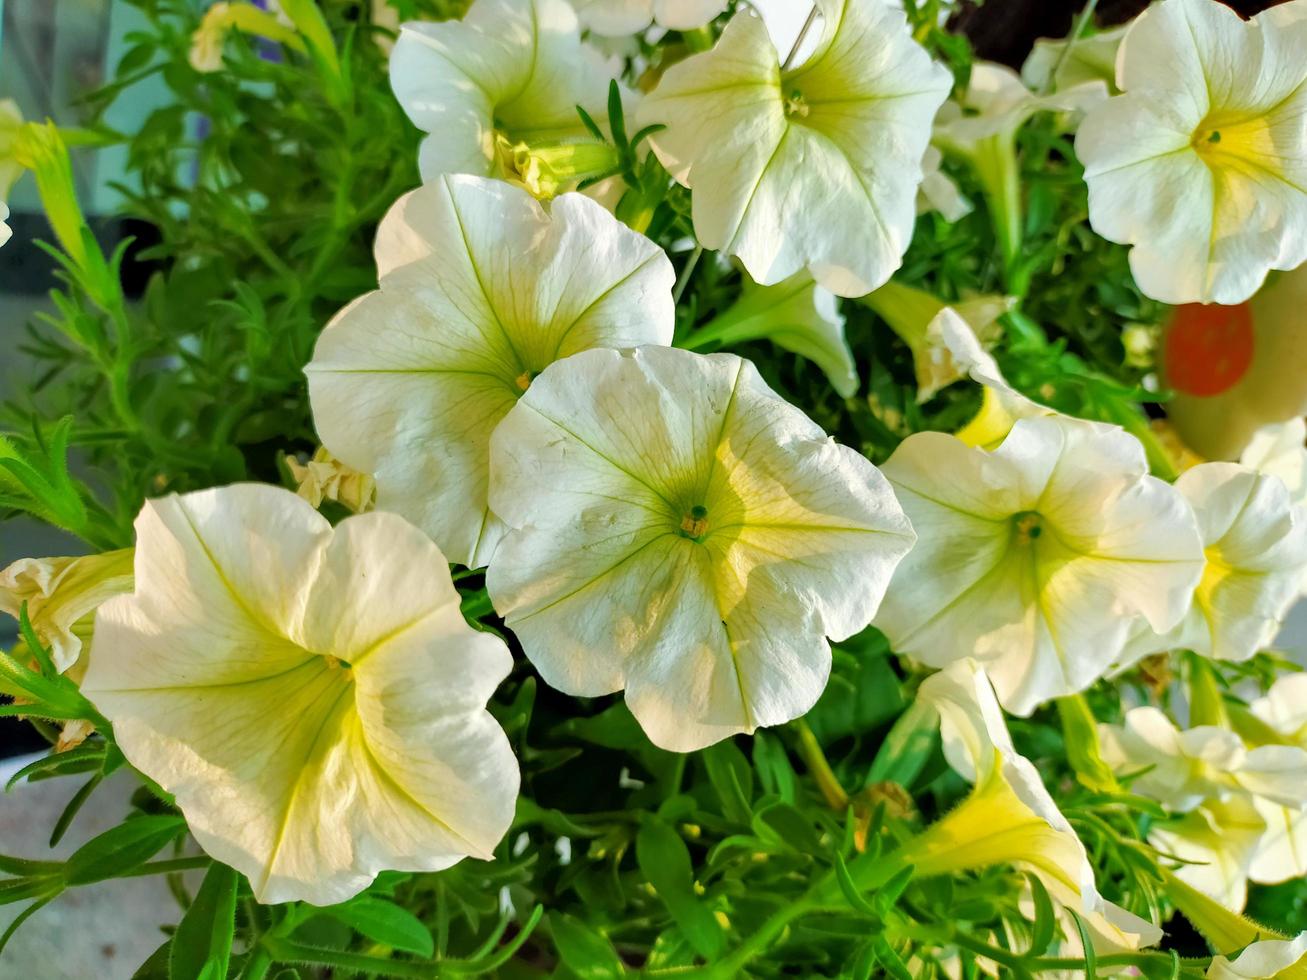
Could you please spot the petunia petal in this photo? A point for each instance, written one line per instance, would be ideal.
(682, 532)
(481, 289)
(849, 125)
(264, 675)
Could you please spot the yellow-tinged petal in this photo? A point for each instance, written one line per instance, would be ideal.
(815, 166)
(481, 289)
(1010, 817)
(1269, 959)
(1255, 544)
(1217, 841)
(682, 532)
(1183, 769)
(1037, 557)
(509, 70)
(1201, 164)
(313, 698)
(62, 595)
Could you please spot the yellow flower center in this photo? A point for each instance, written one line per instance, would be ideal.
(1027, 527)
(694, 525)
(1245, 144)
(795, 105)
(524, 380)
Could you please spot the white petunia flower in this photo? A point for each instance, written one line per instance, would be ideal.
(815, 166)
(1217, 842)
(683, 533)
(1037, 557)
(1183, 769)
(1281, 853)
(510, 71)
(62, 595)
(1051, 67)
(619, 18)
(1269, 959)
(6, 232)
(1201, 164)
(1255, 543)
(997, 104)
(1010, 816)
(1279, 450)
(313, 698)
(481, 289)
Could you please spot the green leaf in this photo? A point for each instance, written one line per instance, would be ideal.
(83, 758)
(1045, 927)
(732, 777)
(73, 808)
(156, 966)
(888, 894)
(863, 692)
(585, 952)
(386, 923)
(201, 947)
(23, 916)
(1080, 739)
(907, 748)
(126, 846)
(665, 861)
(1087, 946)
(774, 769)
(852, 894)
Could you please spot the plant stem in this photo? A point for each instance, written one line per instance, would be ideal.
(169, 866)
(686, 273)
(285, 951)
(815, 759)
(798, 41)
(1081, 23)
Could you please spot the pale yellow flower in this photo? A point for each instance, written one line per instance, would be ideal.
(62, 595)
(312, 697)
(1201, 165)
(681, 532)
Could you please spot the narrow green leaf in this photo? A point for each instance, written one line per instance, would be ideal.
(890, 960)
(585, 952)
(34, 645)
(74, 805)
(88, 754)
(126, 846)
(22, 917)
(849, 887)
(887, 895)
(1045, 926)
(491, 962)
(1087, 946)
(730, 774)
(1080, 739)
(665, 861)
(201, 947)
(386, 923)
(616, 115)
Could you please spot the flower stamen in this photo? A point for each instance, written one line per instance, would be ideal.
(694, 525)
(1028, 526)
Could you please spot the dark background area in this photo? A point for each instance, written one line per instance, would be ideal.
(1005, 30)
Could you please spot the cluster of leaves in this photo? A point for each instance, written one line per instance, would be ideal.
(265, 182)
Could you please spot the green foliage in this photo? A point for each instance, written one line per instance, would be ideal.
(265, 182)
